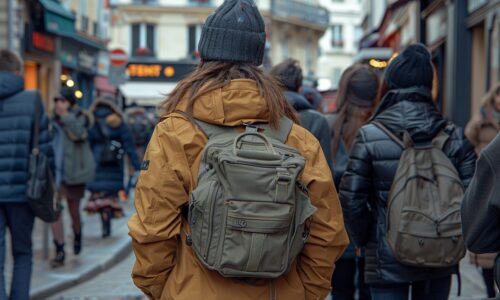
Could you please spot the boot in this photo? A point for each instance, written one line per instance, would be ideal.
(58, 261)
(77, 243)
(106, 223)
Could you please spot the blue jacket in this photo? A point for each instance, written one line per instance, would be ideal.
(109, 177)
(17, 111)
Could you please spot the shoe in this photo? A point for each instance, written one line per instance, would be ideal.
(77, 243)
(58, 261)
(106, 223)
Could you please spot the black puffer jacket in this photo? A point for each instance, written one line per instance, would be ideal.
(371, 169)
(312, 120)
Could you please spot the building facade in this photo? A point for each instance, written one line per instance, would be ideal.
(340, 43)
(168, 31)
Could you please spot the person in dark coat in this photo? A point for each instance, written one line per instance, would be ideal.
(407, 105)
(17, 115)
(481, 204)
(357, 91)
(111, 141)
(75, 166)
(289, 73)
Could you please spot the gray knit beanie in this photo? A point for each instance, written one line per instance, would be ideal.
(234, 32)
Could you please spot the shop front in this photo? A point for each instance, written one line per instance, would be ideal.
(79, 64)
(149, 83)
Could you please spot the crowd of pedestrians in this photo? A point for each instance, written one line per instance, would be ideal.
(236, 196)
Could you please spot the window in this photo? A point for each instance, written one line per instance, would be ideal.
(194, 33)
(200, 2)
(337, 36)
(84, 19)
(143, 40)
(358, 34)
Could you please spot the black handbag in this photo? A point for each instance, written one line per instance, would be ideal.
(497, 271)
(112, 151)
(40, 188)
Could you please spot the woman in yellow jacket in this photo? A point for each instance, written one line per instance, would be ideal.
(227, 89)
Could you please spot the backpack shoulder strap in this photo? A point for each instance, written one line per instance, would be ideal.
(280, 134)
(440, 140)
(391, 135)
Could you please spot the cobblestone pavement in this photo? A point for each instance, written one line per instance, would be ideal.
(116, 284)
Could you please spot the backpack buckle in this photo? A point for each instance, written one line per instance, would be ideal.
(250, 127)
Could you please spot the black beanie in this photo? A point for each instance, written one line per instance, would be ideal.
(411, 68)
(234, 32)
(68, 94)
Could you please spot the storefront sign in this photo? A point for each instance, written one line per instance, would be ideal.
(86, 60)
(76, 56)
(159, 71)
(43, 42)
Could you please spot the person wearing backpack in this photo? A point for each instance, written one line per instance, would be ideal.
(111, 141)
(481, 206)
(75, 166)
(403, 186)
(289, 74)
(18, 113)
(357, 91)
(234, 200)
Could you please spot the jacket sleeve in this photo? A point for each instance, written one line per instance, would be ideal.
(481, 205)
(129, 147)
(328, 238)
(162, 190)
(355, 191)
(467, 163)
(75, 126)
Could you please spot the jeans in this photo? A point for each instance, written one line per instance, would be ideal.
(19, 218)
(434, 289)
(347, 277)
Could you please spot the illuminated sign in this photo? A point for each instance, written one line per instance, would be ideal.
(151, 71)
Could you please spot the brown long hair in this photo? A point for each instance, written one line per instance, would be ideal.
(353, 111)
(212, 75)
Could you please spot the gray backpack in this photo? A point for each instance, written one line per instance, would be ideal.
(423, 208)
(249, 211)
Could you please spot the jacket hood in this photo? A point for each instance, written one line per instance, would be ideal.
(410, 110)
(10, 84)
(108, 110)
(235, 104)
(298, 101)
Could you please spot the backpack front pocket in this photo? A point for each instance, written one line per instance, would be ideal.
(254, 232)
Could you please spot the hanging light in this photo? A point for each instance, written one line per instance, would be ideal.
(64, 77)
(70, 83)
(78, 94)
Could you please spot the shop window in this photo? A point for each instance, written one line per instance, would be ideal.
(143, 40)
(194, 33)
(337, 36)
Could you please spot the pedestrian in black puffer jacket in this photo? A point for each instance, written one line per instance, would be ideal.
(364, 189)
(289, 74)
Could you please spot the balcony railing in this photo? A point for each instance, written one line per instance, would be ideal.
(308, 13)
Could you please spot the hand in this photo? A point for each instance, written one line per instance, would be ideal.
(62, 108)
(358, 252)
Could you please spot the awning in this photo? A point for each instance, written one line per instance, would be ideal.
(146, 93)
(58, 19)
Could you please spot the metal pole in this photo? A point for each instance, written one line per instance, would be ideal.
(10, 25)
